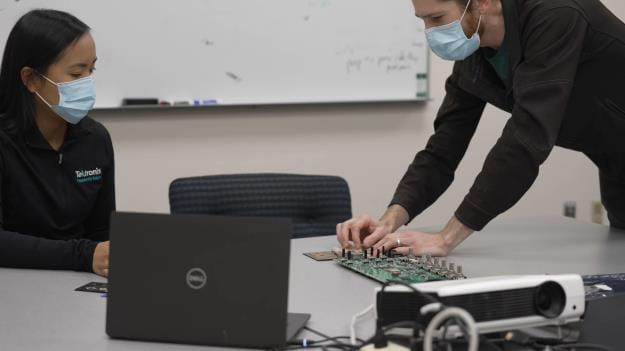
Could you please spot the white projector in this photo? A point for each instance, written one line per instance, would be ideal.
(498, 303)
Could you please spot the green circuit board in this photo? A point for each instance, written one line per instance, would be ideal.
(407, 269)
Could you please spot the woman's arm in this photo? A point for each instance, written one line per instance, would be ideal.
(97, 224)
(25, 251)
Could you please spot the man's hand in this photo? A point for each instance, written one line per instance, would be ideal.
(353, 232)
(101, 259)
(419, 243)
(364, 231)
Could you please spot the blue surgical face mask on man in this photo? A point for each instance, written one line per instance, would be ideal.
(449, 41)
(76, 98)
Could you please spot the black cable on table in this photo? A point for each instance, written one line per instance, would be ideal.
(581, 346)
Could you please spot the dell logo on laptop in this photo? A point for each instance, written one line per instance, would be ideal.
(196, 278)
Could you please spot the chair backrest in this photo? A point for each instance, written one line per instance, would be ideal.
(314, 203)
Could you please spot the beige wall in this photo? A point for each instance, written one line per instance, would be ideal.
(370, 145)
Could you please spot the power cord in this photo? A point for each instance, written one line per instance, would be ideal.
(447, 314)
(443, 317)
(581, 346)
(352, 326)
(433, 301)
(323, 343)
(444, 314)
(382, 335)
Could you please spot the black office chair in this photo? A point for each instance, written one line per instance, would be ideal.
(314, 203)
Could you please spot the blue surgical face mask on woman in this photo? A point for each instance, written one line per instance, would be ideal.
(76, 98)
(449, 41)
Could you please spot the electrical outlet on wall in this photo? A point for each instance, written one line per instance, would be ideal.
(597, 212)
(570, 209)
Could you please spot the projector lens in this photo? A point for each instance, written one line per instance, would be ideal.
(549, 299)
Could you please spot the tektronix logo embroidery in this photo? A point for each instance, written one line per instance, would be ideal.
(88, 176)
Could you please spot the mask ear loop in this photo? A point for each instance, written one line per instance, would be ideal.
(466, 8)
(479, 21)
(48, 79)
(37, 93)
(42, 99)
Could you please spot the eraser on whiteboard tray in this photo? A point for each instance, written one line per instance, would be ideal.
(139, 101)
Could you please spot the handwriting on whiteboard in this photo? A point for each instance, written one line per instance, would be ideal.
(399, 62)
(318, 3)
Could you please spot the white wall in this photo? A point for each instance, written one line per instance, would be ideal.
(369, 145)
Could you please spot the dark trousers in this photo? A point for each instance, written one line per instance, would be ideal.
(613, 198)
(612, 185)
(598, 94)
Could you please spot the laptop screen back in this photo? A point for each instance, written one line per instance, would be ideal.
(199, 279)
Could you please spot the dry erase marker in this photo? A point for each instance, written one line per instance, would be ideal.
(202, 102)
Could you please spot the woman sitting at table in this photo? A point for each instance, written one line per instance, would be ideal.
(56, 164)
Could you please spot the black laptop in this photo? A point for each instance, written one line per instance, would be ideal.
(200, 279)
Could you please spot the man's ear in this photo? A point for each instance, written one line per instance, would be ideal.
(482, 6)
(30, 79)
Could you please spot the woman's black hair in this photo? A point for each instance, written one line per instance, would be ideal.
(37, 40)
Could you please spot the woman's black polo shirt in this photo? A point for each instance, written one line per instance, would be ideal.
(55, 205)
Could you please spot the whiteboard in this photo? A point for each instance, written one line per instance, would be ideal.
(242, 52)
